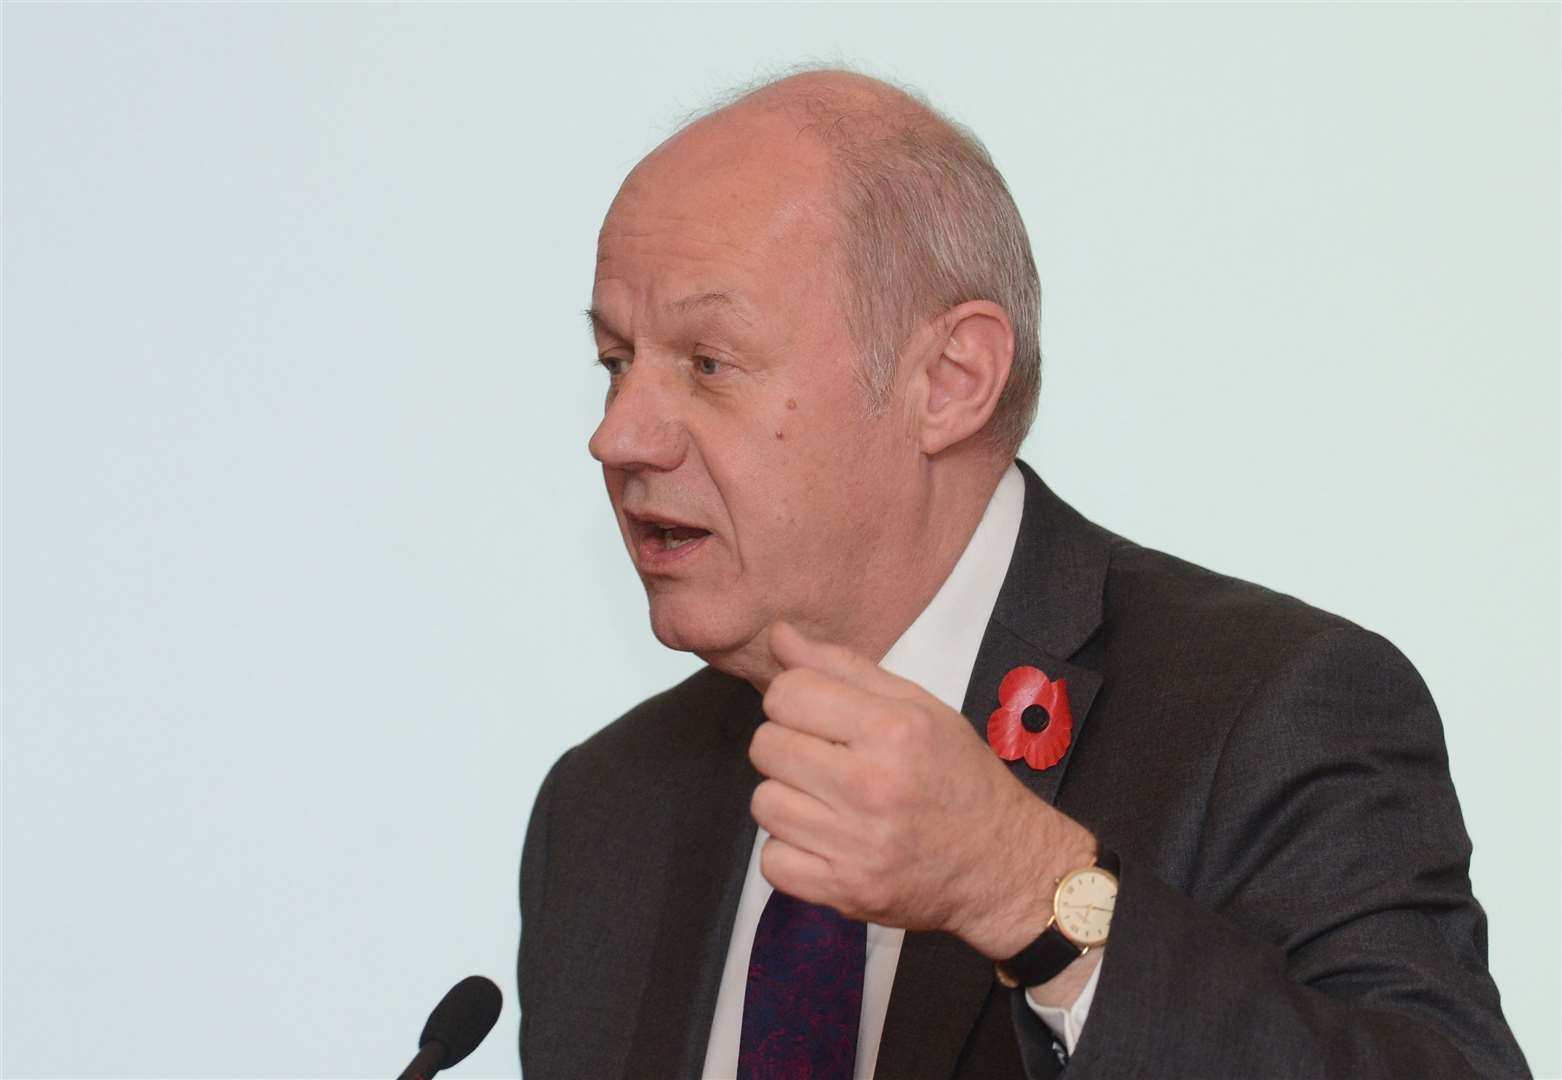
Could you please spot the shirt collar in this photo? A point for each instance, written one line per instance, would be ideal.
(938, 650)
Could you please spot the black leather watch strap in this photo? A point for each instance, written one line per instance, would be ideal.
(1046, 957)
(1040, 961)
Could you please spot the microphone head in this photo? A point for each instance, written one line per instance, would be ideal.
(462, 1018)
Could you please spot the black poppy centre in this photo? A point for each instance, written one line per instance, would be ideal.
(1035, 718)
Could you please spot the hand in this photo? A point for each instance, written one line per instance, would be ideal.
(883, 803)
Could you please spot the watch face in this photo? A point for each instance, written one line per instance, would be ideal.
(1085, 900)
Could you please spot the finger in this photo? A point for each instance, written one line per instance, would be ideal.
(796, 817)
(796, 872)
(819, 704)
(806, 762)
(793, 649)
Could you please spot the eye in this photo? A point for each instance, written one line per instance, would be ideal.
(614, 365)
(707, 365)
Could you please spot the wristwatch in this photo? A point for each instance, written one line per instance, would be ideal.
(1082, 907)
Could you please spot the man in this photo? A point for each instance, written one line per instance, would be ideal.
(817, 310)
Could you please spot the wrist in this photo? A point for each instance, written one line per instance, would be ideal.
(1082, 905)
(1018, 904)
(1080, 921)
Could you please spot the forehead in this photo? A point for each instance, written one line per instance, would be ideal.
(741, 210)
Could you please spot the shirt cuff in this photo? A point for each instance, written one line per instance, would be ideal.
(1066, 1024)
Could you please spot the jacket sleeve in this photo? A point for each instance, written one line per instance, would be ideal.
(534, 866)
(1328, 929)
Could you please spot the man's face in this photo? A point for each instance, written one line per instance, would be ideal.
(747, 479)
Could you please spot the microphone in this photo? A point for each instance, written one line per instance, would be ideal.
(455, 1027)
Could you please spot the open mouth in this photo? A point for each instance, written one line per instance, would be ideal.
(675, 536)
(660, 537)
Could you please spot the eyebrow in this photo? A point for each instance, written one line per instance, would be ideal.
(724, 300)
(598, 322)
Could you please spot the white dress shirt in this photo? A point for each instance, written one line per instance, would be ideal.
(937, 652)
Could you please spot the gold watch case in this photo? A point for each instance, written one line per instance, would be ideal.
(1082, 906)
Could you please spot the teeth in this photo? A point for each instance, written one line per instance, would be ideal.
(668, 543)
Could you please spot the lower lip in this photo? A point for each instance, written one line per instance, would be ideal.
(655, 556)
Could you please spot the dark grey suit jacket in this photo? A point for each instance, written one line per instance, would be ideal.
(1295, 899)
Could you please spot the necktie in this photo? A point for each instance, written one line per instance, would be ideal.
(804, 997)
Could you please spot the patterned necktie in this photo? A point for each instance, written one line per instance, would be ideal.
(804, 996)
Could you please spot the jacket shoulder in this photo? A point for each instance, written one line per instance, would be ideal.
(675, 725)
(1151, 596)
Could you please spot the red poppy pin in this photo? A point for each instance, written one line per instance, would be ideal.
(1006, 732)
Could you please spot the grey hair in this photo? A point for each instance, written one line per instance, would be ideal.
(927, 223)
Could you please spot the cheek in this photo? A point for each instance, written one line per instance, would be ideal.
(791, 404)
(802, 504)
(772, 495)
(793, 480)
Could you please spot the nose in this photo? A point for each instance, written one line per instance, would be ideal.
(640, 427)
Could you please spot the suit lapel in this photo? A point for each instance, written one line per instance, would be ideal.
(1002, 652)
(1047, 610)
(706, 862)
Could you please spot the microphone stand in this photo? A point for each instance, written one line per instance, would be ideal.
(430, 1059)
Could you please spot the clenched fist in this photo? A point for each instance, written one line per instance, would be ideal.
(882, 802)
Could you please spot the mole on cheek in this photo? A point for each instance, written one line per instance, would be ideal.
(780, 434)
(791, 403)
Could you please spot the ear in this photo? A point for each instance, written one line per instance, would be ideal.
(963, 372)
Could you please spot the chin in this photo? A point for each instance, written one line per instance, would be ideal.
(708, 630)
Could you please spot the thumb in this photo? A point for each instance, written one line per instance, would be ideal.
(794, 649)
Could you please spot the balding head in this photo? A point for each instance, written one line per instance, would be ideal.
(923, 220)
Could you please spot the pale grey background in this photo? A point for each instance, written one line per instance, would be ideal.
(309, 576)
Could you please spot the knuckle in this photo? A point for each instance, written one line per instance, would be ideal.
(763, 738)
(900, 733)
(921, 722)
(762, 804)
(776, 693)
(770, 863)
(785, 691)
(906, 729)
(759, 747)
